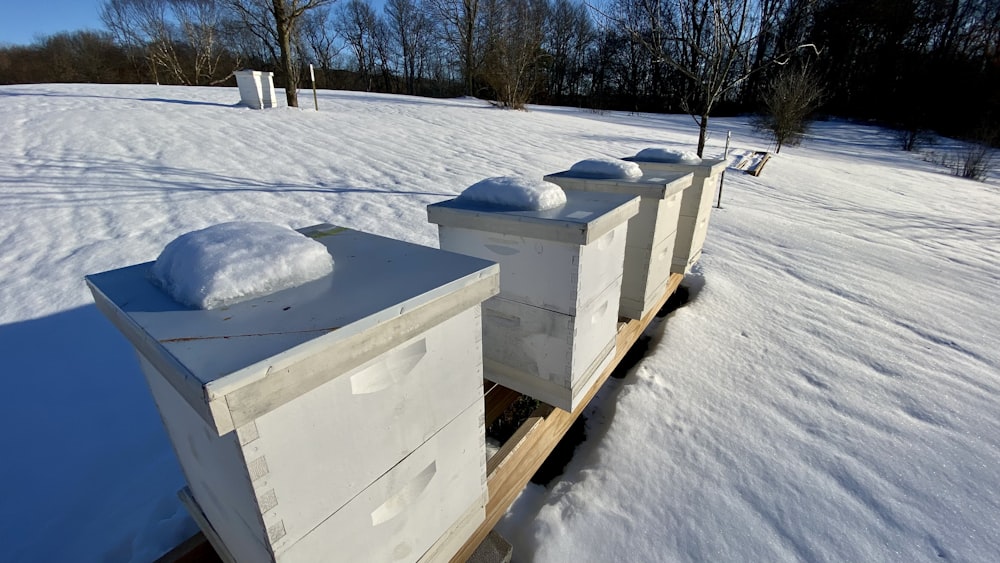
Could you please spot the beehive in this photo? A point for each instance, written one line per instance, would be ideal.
(340, 420)
(651, 233)
(256, 89)
(696, 206)
(553, 326)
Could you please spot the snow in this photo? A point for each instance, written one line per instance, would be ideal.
(829, 393)
(237, 261)
(659, 154)
(605, 169)
(515, 193)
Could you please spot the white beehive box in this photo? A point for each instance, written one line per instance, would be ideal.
(560, 281)
(256, 89)
(651, 233)
(341, 420)
(696, 206)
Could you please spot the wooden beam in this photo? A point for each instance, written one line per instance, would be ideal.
(759, 167)
(510, 469)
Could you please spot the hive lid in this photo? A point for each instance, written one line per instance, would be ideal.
(245, 359)
(585, 217)
(706, 168)
(657, 185)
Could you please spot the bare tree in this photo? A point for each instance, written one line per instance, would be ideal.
(144, 26)
(276, 24)
(200, 23)
(512, 65)
(707, 42)
(460, 22)
(322, 41)
(410, 28)
(569, 35)
(357, 23)
(178, 38)
(789, 97)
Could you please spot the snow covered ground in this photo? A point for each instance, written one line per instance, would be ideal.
(830, 393)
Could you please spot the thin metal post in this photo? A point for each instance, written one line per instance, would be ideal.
(722, 177)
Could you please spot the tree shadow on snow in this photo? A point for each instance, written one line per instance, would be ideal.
(49, 94)
(109, 182)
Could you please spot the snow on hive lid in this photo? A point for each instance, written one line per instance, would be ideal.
(585, 217)
(374, 299)
(233, 262)
(605, 169)
(659, 154)
(515, 193)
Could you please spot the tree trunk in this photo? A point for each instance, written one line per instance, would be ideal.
(284, 28)
(702, 133)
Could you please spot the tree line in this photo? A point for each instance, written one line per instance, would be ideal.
(912, 64)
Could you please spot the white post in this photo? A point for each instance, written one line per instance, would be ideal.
(312, 75)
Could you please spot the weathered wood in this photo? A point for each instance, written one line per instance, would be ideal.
(509, 470)
(498, 399)
(759, 167)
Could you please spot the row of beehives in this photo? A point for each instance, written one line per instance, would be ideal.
(343, 420)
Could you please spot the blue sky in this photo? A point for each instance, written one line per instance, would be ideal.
(21, 21)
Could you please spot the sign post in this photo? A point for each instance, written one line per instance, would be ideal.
(312, 76)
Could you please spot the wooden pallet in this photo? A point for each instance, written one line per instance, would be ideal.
(510, 469)
(759, 166)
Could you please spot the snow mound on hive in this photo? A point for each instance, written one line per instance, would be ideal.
(657, 154)
(605, 169)
(515, 193)
(233, 262)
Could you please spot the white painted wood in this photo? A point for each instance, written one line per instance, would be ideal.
(585, 217)
(691, 234)
(547, 391)
(559, 259)
(400, 516)
(271, 483)
(650, 232)
(656, 185)
(325, 447)
(448, 544)
(206, 527)
(319, 418)
(215, 470)
(696, 204)
(539, 344)
(560, 286)
(647, 272)
(660, 199)
(708, 167)
(256, 89)
(260, 353)
(553, 275)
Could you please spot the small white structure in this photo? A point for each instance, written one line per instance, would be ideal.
(339, 420)
(649, 248)
(552, 329)
(696, 205)
(256, 88)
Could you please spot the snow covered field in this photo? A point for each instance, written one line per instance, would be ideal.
(830, 393)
